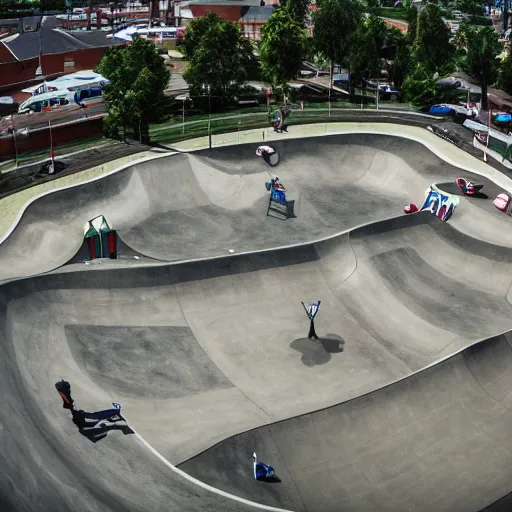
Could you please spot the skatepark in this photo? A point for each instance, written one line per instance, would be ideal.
(197, 329)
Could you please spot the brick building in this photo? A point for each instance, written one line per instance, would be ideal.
(53, 49)
(231, 10)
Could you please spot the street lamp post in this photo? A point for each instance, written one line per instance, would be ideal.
(22, 132)
(183, 117)
(15, 146)
(377, 91)
(209, 118)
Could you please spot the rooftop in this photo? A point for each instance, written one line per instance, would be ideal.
(257, 14)
(48, 39)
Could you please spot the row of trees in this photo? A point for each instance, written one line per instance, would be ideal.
(10, 8)
(221, 59)
(349, 33)
(346, 32)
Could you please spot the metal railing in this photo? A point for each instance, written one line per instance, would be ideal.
(183, 128)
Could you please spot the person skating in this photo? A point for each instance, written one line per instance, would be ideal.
(312, 333)
(64, 389)
(263, 472)
(312, 310)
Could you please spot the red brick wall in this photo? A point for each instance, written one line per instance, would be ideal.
(5, 54)
(18, 71)
(40, 139)
(231, 13)
(84, 59)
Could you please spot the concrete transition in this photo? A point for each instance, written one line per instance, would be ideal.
(399, 405)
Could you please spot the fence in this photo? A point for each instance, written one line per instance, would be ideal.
(182, 128)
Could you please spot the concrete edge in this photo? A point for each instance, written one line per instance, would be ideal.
(444, 157)
(506, 184)
(59, 189)
(368, 393)
(203, 485)
(170, 153)
(385, 130)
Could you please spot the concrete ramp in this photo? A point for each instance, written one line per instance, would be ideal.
(439, 440)
(163, 208)
(207, 350)
(202, 351)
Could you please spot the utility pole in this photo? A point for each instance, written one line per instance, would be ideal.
(209, 118)
(89, 12)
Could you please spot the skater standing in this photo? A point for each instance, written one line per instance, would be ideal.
(312, 311)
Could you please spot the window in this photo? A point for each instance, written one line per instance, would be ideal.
(69, 62)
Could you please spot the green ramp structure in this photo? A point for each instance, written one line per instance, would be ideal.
(100, 238)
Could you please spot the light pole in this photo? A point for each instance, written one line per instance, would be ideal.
(183, 98)
(209, 117)
(22, 132)
(52, 160)
(15, 146)
(330, 88)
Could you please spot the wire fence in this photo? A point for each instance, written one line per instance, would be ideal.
(182, 126)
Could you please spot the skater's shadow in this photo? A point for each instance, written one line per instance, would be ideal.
(282, 212)
(270, 479)
(317, 352)
(95, 430)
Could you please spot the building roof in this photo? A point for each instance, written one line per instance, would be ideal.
(48, 39)
(257, 14)
(91, 37)
(233, 3)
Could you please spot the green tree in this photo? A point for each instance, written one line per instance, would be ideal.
(282, 47)
(399, 65)
(298, 9)
(483, 49)
(412, 22)
(197, 29)
(365, 60)
(473, 7)
(336, 22)
(432, 46)
(420, 89)
(373, 6)
(51, 5)
(220, 56)
(505, 75)
(135, 96)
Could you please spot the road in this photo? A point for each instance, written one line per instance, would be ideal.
(209, 358)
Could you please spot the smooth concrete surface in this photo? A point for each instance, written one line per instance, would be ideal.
(436, 441)
(200, 351)
(188, 206)
(197, 352)
(444, 149)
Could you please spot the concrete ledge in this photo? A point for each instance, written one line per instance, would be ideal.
(12, 207)
(443, 149)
